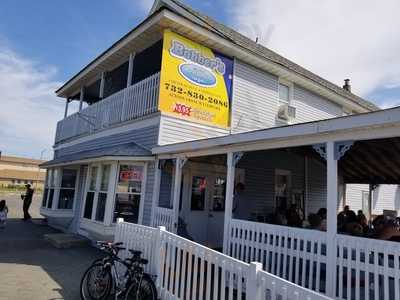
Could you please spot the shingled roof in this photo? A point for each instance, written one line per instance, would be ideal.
(243, 41)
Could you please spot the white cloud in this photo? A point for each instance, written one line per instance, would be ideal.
(29, 109)
(358, 39)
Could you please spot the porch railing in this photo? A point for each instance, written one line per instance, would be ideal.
(187, 270)
(365, 268)
(128, 104)
(164, 217)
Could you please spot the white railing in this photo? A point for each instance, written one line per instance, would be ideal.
(187, 270)
(367, 269)
(164, 217)
(298, 255)
(128, 104)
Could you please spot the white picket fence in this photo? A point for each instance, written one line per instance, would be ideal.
(164, 217)
(128, 104)
(187, 270)
(366, 268)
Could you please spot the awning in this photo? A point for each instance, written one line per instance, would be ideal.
(118, 152)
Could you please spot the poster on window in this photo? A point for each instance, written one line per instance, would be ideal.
(195, 83)
(130, 173)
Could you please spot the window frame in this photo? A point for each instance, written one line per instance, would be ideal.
(142, 189)
(289, 84)
(75, 188)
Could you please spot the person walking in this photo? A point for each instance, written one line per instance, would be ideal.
(27, 198)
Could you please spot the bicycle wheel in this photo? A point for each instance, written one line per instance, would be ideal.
(96, 283)
(146, 291)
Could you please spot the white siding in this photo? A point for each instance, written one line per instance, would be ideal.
(255, 96)
(384, 197)
(316, 186)
(311, 107)
(173, 130)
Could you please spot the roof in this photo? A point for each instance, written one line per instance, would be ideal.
(239, 40)
(265, 52)
(123, 150)
(22, 175)
(382, 118)
(20, 160)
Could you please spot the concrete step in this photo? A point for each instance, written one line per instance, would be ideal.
(66, 240)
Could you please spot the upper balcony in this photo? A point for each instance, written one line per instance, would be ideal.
(133, 102)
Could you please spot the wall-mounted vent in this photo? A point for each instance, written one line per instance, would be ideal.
(286, 112)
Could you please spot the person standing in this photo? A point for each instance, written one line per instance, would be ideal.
(27, 198)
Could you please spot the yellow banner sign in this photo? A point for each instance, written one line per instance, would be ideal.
(195, 82)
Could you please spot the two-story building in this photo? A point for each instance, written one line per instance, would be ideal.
(186, 123)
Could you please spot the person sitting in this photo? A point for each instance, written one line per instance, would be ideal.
(293, 216)
(322, 213)
(3, 213)
(362, 220)
(315, 221)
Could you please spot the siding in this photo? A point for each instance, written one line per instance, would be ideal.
(385, 196)
(174, 130)
(259, 168)
(316, 186)
(165, 189)
(148, 198)
(255, 96)
(311, 107)
(146, 137)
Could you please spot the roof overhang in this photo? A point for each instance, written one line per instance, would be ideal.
(150, 31)
(373, 125)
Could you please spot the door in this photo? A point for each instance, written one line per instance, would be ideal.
(203, 208)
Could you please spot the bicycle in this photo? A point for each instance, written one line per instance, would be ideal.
(102, 278)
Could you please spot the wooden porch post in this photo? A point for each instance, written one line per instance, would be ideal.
(102, 82)
(81, 97)
(156, 189)
(230, 182)
(179, 163)
(130, 70)
(66, 108)
(332, 198)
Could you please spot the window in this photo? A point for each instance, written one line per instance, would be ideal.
(102, 196)
(50, 185)
(67, 189)
(282, 190)
(128, 193)
(198, 197)
(284, 93)
(219, 194)
(87, 213)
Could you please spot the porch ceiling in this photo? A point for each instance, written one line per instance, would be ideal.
(372, 162)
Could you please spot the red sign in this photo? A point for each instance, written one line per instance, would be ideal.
(130, 175)
(182, 109)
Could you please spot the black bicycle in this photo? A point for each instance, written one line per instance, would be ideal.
(103, 278)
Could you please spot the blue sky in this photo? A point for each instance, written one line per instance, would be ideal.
(44, 43)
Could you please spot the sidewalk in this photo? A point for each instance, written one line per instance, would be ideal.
(30, 268)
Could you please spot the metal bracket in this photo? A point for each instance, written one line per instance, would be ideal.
(236, 158)
(320, 149)
(341, 148)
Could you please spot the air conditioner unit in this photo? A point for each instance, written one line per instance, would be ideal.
(286, 112)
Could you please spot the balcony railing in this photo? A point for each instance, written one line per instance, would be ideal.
(128, 104)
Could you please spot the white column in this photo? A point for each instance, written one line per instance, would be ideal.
(109, 213)
(156, 189)
(332, 198)
(130, 70)
(102, 79)
(82, 95)
(230, 182)
(179, 162)
(66, 108)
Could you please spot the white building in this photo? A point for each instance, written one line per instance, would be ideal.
(185, 123)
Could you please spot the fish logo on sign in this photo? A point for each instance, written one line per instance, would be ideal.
(197, 68)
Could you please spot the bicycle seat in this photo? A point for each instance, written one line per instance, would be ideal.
(144, 261)
(135, 252)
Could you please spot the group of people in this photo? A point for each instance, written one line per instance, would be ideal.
(26, 198)
(348, 222)
(382, 227)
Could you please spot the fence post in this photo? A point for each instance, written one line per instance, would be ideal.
(158, 255)
(253, 288)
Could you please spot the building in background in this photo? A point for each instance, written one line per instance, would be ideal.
(17, 171)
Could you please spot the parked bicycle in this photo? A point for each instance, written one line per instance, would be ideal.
(121, 278)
